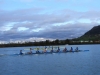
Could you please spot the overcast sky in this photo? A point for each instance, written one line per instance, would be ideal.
(29, 20)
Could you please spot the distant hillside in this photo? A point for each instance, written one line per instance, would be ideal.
(94, 31)
(93, 34)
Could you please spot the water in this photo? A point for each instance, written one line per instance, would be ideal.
(77, 63)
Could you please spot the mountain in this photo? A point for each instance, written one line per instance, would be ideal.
(94, 31)
(92, 34)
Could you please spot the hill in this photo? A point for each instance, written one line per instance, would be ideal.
(92, 34)
(94, 31)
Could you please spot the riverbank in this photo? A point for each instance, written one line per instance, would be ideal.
(23, 45)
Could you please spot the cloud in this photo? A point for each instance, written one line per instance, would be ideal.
(35, 23)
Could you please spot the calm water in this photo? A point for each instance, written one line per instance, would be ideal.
(79, 63)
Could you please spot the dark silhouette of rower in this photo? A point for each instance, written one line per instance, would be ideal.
(65, 49)
(58, 49)
(21, 52)
(71, 49)
(52, 49)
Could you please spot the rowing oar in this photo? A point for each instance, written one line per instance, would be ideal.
(48, 48)
(38, 48)
(35, 48)
(86, 50)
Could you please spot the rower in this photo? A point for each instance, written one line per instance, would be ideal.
(21, 52)
(45, 50)
(65, 50)
(37, 50)
(58, 49)
(30, 51)
(76, 49)
(71, 49)
(52, 49)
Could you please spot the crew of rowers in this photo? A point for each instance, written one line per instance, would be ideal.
(45, 50)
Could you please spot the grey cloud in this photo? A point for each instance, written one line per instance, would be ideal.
(34, 20)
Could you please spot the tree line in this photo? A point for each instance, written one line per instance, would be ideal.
(48, 43)
(40, 43)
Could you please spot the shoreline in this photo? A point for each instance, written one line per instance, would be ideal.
(51, 45)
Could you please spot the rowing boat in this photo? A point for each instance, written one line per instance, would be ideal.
(51, 52)
(42, 53)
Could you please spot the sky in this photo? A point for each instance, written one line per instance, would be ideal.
(39, 20)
